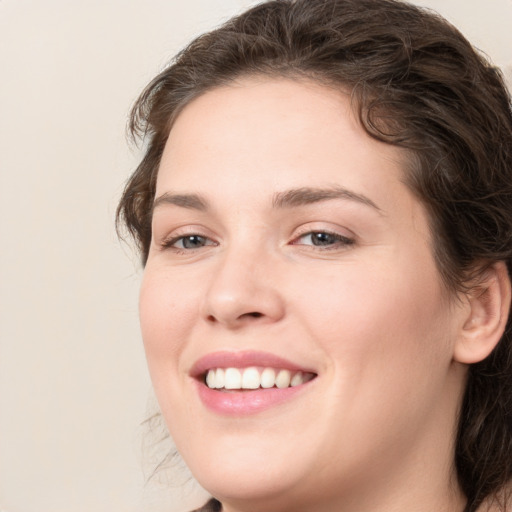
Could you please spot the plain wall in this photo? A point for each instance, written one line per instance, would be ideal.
(73, 382)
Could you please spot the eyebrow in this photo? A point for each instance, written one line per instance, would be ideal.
(288, 199)
(306, 195)
(192, 201)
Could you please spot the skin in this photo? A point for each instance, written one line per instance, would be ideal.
(374, 430)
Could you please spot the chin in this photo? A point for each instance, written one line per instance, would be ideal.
(249, 472)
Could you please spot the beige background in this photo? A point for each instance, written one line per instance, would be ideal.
(73, 385)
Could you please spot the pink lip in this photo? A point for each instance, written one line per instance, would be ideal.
(226, 359)
(241, 403)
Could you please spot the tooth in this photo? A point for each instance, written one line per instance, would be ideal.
(268, 378)
(283, 379)
(210, 379)
(219, 378)
(251, 378)
(297, 379)
(232, 378)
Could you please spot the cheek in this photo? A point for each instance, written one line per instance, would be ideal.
(386, 316)
(167, 313)
(384, 335)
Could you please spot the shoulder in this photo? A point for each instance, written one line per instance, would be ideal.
(212, 506)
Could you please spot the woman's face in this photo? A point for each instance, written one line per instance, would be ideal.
(285, 243)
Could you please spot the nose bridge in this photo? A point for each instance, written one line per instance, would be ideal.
(243, 287)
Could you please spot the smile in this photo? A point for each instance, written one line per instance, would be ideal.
(255, 378)
(245, 383)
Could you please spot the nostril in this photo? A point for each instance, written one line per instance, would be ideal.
(254, 314)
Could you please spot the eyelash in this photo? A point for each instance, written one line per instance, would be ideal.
(169, 244)
(337, 241)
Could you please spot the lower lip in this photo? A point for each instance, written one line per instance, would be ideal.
(242, 403)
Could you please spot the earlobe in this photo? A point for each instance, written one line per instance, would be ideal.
(488, 311)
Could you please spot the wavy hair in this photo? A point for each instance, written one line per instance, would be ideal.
(417, 84)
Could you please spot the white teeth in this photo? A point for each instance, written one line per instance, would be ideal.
(251, 378)
(283, 379)
(210, 379)
(268, 378)
(297, 379)
(254, 378)
(232, 378)
(219, 378)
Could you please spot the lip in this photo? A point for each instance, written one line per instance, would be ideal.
(228, 359)
(246, 402)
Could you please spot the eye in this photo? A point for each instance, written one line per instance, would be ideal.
(188, 242)
(323, 239)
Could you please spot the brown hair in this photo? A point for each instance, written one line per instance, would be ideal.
(418, 84)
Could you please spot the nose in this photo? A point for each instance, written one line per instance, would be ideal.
(244, 289)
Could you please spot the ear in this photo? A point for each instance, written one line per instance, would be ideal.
(485, 322)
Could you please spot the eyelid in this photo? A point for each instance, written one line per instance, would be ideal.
(318, 227)
(343, 237)
(172, 241)
(167, 241)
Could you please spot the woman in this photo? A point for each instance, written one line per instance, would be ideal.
(324, 212)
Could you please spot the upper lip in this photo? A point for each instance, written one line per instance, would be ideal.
(244, 359)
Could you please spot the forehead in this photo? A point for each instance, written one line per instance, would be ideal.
(279, 133)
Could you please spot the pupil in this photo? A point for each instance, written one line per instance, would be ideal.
(322, 239)
(190, 242)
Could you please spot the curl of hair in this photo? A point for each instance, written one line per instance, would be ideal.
(417, 84)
